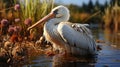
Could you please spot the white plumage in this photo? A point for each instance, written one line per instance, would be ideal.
(73, 38)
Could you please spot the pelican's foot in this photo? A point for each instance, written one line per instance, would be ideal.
(63, 54)
(50, 53)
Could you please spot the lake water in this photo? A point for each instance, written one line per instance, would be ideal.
(109, 56)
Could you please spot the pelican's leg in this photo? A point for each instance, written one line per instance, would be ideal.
(55, 50)
(65, 51)
(62, 53)
(65, 54)
(50, 52)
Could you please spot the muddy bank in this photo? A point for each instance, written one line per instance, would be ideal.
(17, 53)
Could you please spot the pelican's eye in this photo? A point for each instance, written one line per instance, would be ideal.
(57, 14)
(55, 11)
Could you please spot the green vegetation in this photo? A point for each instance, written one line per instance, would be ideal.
(101, 14)
(81, 13)
(112, 15)
(23, 13)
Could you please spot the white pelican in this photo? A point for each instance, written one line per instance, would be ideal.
(71, 38)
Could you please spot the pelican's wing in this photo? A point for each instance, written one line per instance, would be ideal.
(81, 39)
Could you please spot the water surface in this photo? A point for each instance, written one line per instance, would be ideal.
(109, 56)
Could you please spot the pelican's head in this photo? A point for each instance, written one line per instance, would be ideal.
(60, 14)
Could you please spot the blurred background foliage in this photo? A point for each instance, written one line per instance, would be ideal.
(106, 15)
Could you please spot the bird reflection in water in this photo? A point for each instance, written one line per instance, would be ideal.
(59, 61)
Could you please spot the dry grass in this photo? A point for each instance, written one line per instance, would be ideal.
(21, 43)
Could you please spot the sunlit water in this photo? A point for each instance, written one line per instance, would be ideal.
(109, 56)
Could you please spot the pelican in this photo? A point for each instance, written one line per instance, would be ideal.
(71, 38)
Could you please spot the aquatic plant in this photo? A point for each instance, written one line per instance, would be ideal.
(3, 26)
(35, 9)
(31, 11)
(28, 21)
(112, 16)
(4, 22)
(11, 29)
(17, 7)
(14, 29)
(17, 29)
(17, 20)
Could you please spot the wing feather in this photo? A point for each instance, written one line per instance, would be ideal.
(75, 38)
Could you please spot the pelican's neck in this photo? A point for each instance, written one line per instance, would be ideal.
(51, 34)
(50, 29)
(55, 21)
(50, 25)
